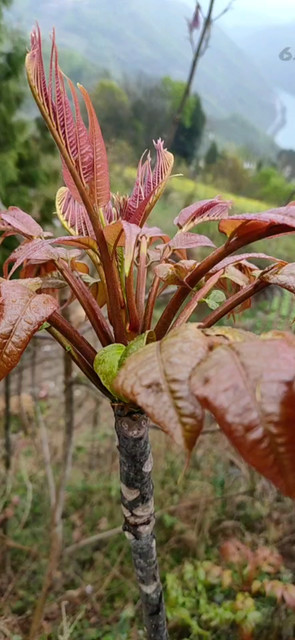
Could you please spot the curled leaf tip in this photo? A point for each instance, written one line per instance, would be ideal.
(84, 160)
(149, 185)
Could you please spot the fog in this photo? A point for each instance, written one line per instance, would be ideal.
(249, 13)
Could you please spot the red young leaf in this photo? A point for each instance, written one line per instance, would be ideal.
(231, 260)
(274, 588)
(267, 223)
(289, 595)
(101, 181)
(132, 232)
(249, 387)
(268, 560)
(280, 591)
(114, 234)
(63, 114)
(51, 97)
(149, 185)
(31, 270)
(174, 273)
(36, 251)
(240, 275)
(152, 233)
(80, 242)
(157, 379)
(125, 234)
(20, 222)
(22, 312)
(84, 148)
(235, 552)
(248, 384)
(73, 214)
(188, 240)
(214, 209)
(282, 275)
(83, 153)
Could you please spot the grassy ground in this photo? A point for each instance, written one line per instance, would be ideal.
(94, 594)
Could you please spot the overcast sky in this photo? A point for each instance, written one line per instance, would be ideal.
(249, 13)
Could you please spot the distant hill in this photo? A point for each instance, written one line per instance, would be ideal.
(134, 36)
(236, 131)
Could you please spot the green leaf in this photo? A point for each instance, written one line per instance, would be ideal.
(106, 364)
(138, 343)
(44, 326)
(110, 359)
(215, 299)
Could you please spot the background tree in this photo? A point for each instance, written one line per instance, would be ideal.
(189, 131)
(113, 108)
(270, 185)
(204, 24)
(212, 154)
(143, 111)
(229, 172)
(27, 173)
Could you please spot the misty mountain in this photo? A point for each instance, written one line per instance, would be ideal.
(135, 37)
(263, 46)
(237, 131)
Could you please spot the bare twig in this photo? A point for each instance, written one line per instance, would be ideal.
(67, 627)
(5, 630)
(46, 454)
(98, 537)
(95, 419)
(198, 52)
(15, 545)
(105, 535)
(22, 412)
(29, 497)
(225, 10)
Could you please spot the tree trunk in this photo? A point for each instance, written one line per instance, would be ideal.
(196, 57)
(138, 508)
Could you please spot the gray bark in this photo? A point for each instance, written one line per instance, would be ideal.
(139, 519)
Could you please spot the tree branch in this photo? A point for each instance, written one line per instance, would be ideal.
(187, 90)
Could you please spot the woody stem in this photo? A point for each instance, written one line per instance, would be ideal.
(138, 509)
